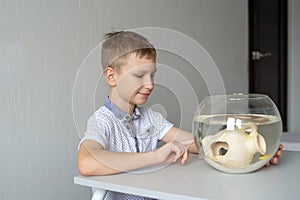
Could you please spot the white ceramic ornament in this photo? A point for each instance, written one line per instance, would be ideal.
(234, 148)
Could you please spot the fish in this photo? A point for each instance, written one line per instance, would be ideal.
(264, 156)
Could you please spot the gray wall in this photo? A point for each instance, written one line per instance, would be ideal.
(294, 67)
(49, 77)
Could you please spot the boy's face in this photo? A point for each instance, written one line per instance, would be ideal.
(135, 81)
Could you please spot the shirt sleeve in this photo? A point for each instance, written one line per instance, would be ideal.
(160, 123)
(96, 131)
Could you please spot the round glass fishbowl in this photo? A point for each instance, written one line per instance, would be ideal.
(237, 133)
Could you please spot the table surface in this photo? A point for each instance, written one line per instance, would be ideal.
(197, 180)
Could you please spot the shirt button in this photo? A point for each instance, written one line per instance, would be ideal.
(148, 130)
(127, 117)
(128, 127)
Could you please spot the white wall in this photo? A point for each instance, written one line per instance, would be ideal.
(294, 66)
(43, 44)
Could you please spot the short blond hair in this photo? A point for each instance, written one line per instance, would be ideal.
(118, 45)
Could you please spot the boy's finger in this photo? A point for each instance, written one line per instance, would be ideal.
(280, 147)
(178, 153)
(278, 154)
(274, 161)
(185, 157)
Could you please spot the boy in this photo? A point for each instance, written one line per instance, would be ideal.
(120, 135)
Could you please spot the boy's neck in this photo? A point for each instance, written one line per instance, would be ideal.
(125, 107)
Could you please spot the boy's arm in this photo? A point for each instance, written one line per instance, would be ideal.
(181, 136)
(92, 159)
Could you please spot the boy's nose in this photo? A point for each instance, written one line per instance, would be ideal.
(149, 85)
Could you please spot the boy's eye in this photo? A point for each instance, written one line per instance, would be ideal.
(139, 75)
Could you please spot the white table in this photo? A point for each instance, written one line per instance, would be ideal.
(197, 180)
(291, 141)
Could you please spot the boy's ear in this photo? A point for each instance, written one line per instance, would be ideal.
(109, 74)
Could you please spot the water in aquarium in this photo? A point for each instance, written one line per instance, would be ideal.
(270, 127)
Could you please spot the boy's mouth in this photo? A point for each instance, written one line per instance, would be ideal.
(145, 94)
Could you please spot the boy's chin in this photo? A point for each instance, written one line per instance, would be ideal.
(140, 101)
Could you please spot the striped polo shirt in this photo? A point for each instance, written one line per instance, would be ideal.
(111, 127)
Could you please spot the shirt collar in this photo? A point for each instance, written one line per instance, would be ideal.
(119, 113)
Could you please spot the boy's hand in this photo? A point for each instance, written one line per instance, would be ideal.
(275, 159)
(172, 151)
(187, 144)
